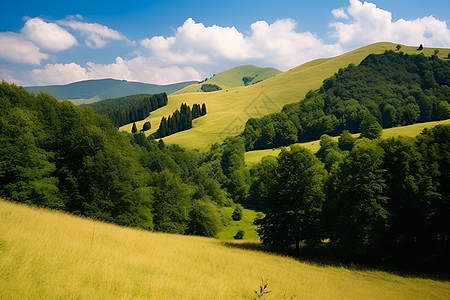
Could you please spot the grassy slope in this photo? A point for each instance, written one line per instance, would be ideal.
(232, 78)
(246, 224)
(50, 255)
(255, 156)
(229, 109)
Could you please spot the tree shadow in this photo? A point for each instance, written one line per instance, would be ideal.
(323, 258)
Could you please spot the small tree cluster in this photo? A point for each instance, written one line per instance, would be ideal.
(209, 87)
(180, 120)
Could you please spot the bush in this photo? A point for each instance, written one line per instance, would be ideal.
(208, 87)
(237, 213)
(239, 235)
(147, 126)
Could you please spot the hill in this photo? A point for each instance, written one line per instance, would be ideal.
(47, 254)
(229, 109)
(89, 91)
(235, 77)
(255, 156)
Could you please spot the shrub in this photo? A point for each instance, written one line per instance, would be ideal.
(239, 235)
(208, 87)
(237, 213)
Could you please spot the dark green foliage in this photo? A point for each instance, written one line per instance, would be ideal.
(129, 109)
(237, 213)
(420, 47)
(208, 87)
(55, 154)
(147, 126)
(247, 80)
(179, 121)
(205, 220)
(203, 109)
(134, 128)
(369, 127)
(398, 47)
(346, 141)
(392, 89)
(294, 201)
(239, 235)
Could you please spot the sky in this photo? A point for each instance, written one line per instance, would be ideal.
(162, 42)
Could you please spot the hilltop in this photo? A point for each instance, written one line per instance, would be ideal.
(90, 91)
(229, 109)
(48, 254)
(235, 77)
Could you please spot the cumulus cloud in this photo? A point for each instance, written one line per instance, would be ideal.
(137, 69)
(339, 13)
(367, 24)
(15, 48)
(277, 44)
(49, 36)
(96, 35)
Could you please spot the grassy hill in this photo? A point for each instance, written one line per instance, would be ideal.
(90, 91)
(255, 156)
(229, 109)
(51, 255)
(233, 78)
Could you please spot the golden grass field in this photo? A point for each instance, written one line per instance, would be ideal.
(255, 156)
(52, 255)
(229, 109)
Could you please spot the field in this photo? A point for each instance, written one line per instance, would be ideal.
(246, 224)
(229, 109)
(51, 255)
(252, 157)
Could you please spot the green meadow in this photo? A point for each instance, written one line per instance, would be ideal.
(52, 255)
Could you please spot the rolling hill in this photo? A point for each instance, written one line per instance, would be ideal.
(51, 255)
(229, 109)
(89, 91)
(233, 78)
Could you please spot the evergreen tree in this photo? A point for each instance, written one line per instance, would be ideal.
(203, 109)
(147, 126)
(134, 128)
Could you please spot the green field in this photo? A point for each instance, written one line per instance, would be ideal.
(52, 255)
(233, 78)
(252, 157)
(229, 109)
(246, 224)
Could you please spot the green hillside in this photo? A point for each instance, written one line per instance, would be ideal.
(229, 109)
(255, 156)
(89, 91)
(234, 78)
(51, 255)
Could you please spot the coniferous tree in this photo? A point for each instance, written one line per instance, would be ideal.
(134, 128)
(203, 109)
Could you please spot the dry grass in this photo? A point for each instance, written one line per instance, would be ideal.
(51, 255)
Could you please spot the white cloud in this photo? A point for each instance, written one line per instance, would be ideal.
(368, 24)
(16, 49)
(96, 35)
(58, 74)
(49, 36)
(339, 13)
(276, 44)
(137, 69)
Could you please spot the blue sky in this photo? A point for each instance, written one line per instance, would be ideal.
(170, 41)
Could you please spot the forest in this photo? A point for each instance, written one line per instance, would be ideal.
(129, 109)
(363, 200)
(390, 89)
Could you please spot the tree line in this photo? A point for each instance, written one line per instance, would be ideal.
(373, 201)
(129, 109)
(180, 120)
(391, 89)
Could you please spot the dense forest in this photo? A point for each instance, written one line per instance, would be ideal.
(57, 155)
(391, 89)
(129, 109)
(373, 201)
(180, 120)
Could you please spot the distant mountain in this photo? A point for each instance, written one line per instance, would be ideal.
(238, 76)
(90, 91)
